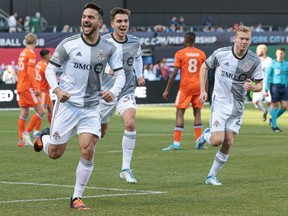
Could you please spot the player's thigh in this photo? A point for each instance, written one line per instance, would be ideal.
(65, 119)
(89, 121)
(107, 110)
(257, 96)
(275, 93)
(126, 102)
(182, 100)
(28, 98)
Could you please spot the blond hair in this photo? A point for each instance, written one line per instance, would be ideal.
(242, 28)
(30, 38)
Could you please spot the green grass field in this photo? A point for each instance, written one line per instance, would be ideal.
(255, 178)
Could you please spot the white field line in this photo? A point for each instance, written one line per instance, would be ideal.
(130, 192)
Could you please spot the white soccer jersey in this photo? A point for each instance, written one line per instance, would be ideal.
(265, 63)
(230, 76)
(129, 51)
(83, 67)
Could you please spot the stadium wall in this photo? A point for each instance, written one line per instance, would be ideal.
(162, 45)
(151, 12)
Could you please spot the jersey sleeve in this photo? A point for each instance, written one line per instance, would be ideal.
(177, 59)
(258, 72)
(59, 56)
(212, 60)
(114, 61)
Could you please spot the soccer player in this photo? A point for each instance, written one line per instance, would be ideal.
(276, 81)
(28, 91)
(83, 58)
(44, 88)
(258, 97)
(189, 61)
(125, 102)
(236, 67)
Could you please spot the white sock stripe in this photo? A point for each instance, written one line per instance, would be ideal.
(87, 163)
(178, 128)
(130, 134)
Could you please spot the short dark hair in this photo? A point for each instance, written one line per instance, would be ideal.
(95, 7)
(190, 37)
(44, 52)
(281, 49)
(118, 10)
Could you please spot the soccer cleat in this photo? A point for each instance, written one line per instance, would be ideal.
(21, 143)
(77, 203)
(201, 140)
(27, 140)
(212, 180)
(265, 116)
(127, 175)
(38, 144)
(172, 147)
(276, 129)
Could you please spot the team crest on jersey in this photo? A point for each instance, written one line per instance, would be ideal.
(246, 67)
(131, 51)
(101, 56)
(56, 135)
(216, 123)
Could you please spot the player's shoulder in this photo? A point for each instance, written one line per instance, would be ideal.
(223, 49)
(71, 39)
(107, 36)
(253, 56)
(132, 37)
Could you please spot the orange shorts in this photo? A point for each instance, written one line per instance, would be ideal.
(183, 101)
(28, 98)
(46, 99)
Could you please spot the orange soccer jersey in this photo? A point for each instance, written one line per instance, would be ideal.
(189, 60)
(26, 70)
(40, 76)
(43, 84)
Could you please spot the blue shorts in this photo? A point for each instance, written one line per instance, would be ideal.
(278, 93)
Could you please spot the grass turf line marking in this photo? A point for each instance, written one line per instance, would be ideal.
(132, 192)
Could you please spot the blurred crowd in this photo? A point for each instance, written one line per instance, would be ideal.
(37, 23)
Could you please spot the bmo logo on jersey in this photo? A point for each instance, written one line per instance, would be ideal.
(82, 66)
(240, 77)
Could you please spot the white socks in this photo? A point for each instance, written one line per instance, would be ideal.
(128, 144)
(219, 161)
(83, 173)
(45, 142)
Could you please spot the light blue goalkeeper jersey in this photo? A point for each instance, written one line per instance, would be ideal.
(276, 73)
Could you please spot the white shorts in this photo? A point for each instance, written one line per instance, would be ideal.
(220, 121)
(108, 109)
(69, 119)
(259, 96)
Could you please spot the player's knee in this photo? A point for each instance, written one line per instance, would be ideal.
(55, 153)
(130, 125)
(216, 142)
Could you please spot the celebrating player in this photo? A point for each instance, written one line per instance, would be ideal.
(236, 67)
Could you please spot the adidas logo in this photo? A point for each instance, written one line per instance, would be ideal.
(79, 54)
(227, 64)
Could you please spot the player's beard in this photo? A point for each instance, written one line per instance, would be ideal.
(92, 30)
